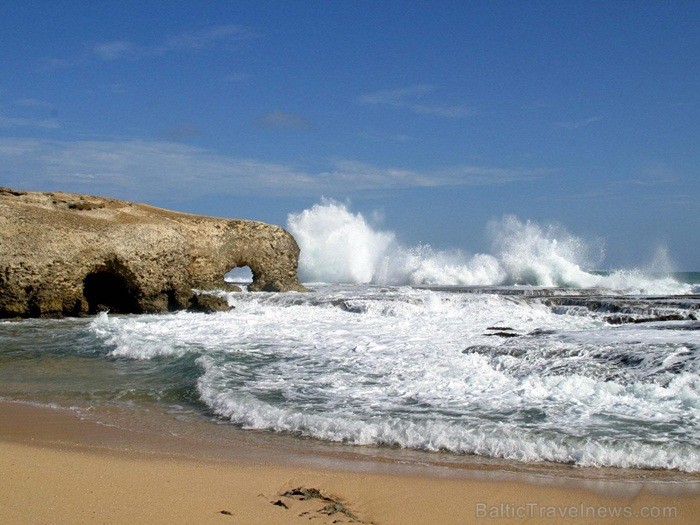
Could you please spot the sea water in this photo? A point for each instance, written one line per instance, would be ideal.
(521, 354)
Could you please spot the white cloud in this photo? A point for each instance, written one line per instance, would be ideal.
(115, 50)
(146, 170)
(33, 103)
(576, 124)
(407, 98)
(396, 97)
(655, 175)
(653, 182)
(206, 37)
(386, 137)
(363, 176)
(18, 122)
(188, 40)
(443, 111)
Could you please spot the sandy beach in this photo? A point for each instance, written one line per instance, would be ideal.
(57, 468)
(338, 262)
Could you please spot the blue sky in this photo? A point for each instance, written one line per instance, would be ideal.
(440, 116)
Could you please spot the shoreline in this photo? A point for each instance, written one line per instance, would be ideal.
(58, 468)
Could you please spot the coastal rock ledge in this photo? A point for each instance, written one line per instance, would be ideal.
(65, 254)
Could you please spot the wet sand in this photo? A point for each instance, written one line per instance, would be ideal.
(56, 468)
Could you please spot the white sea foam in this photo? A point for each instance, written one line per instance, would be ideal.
(503, 440)
(338, 246)
(418, 368)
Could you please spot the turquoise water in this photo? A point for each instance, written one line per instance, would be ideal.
(63, 362)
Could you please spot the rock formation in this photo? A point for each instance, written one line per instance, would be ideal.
(69, 254)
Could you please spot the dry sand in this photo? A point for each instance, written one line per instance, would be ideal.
(55, 468)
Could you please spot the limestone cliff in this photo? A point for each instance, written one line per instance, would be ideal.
(70, 254)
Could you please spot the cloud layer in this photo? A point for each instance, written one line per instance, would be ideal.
(29, 113)
(187, 41)
(21, 122)
(411, 99)
(140, 169)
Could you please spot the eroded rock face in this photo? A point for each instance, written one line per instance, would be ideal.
(69, 254)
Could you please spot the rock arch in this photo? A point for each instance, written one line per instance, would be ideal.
(69, 254)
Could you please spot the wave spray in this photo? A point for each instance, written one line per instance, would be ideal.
(339, 246)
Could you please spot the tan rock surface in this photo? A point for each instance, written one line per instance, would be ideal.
(71, 254)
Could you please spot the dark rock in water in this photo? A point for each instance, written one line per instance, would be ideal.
(629, 319)
(616, 319)
(671, 317)
(635, 309)
(230, 287)
(542, 331)
(347, 307)
(208, 304)
(525, 291)
(503, 334)
(492, 351)
(478, 349)
(64, 254)
(628, 360)
(502, 331)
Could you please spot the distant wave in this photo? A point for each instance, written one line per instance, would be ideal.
(338, 246)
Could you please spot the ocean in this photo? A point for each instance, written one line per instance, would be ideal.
(520, 355)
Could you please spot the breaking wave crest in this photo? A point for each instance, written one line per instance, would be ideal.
(339, 246)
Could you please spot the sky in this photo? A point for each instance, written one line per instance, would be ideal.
(432, 118)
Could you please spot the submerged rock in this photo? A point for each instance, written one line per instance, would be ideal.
(70, 254)
(503, 334)
(208, 304)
